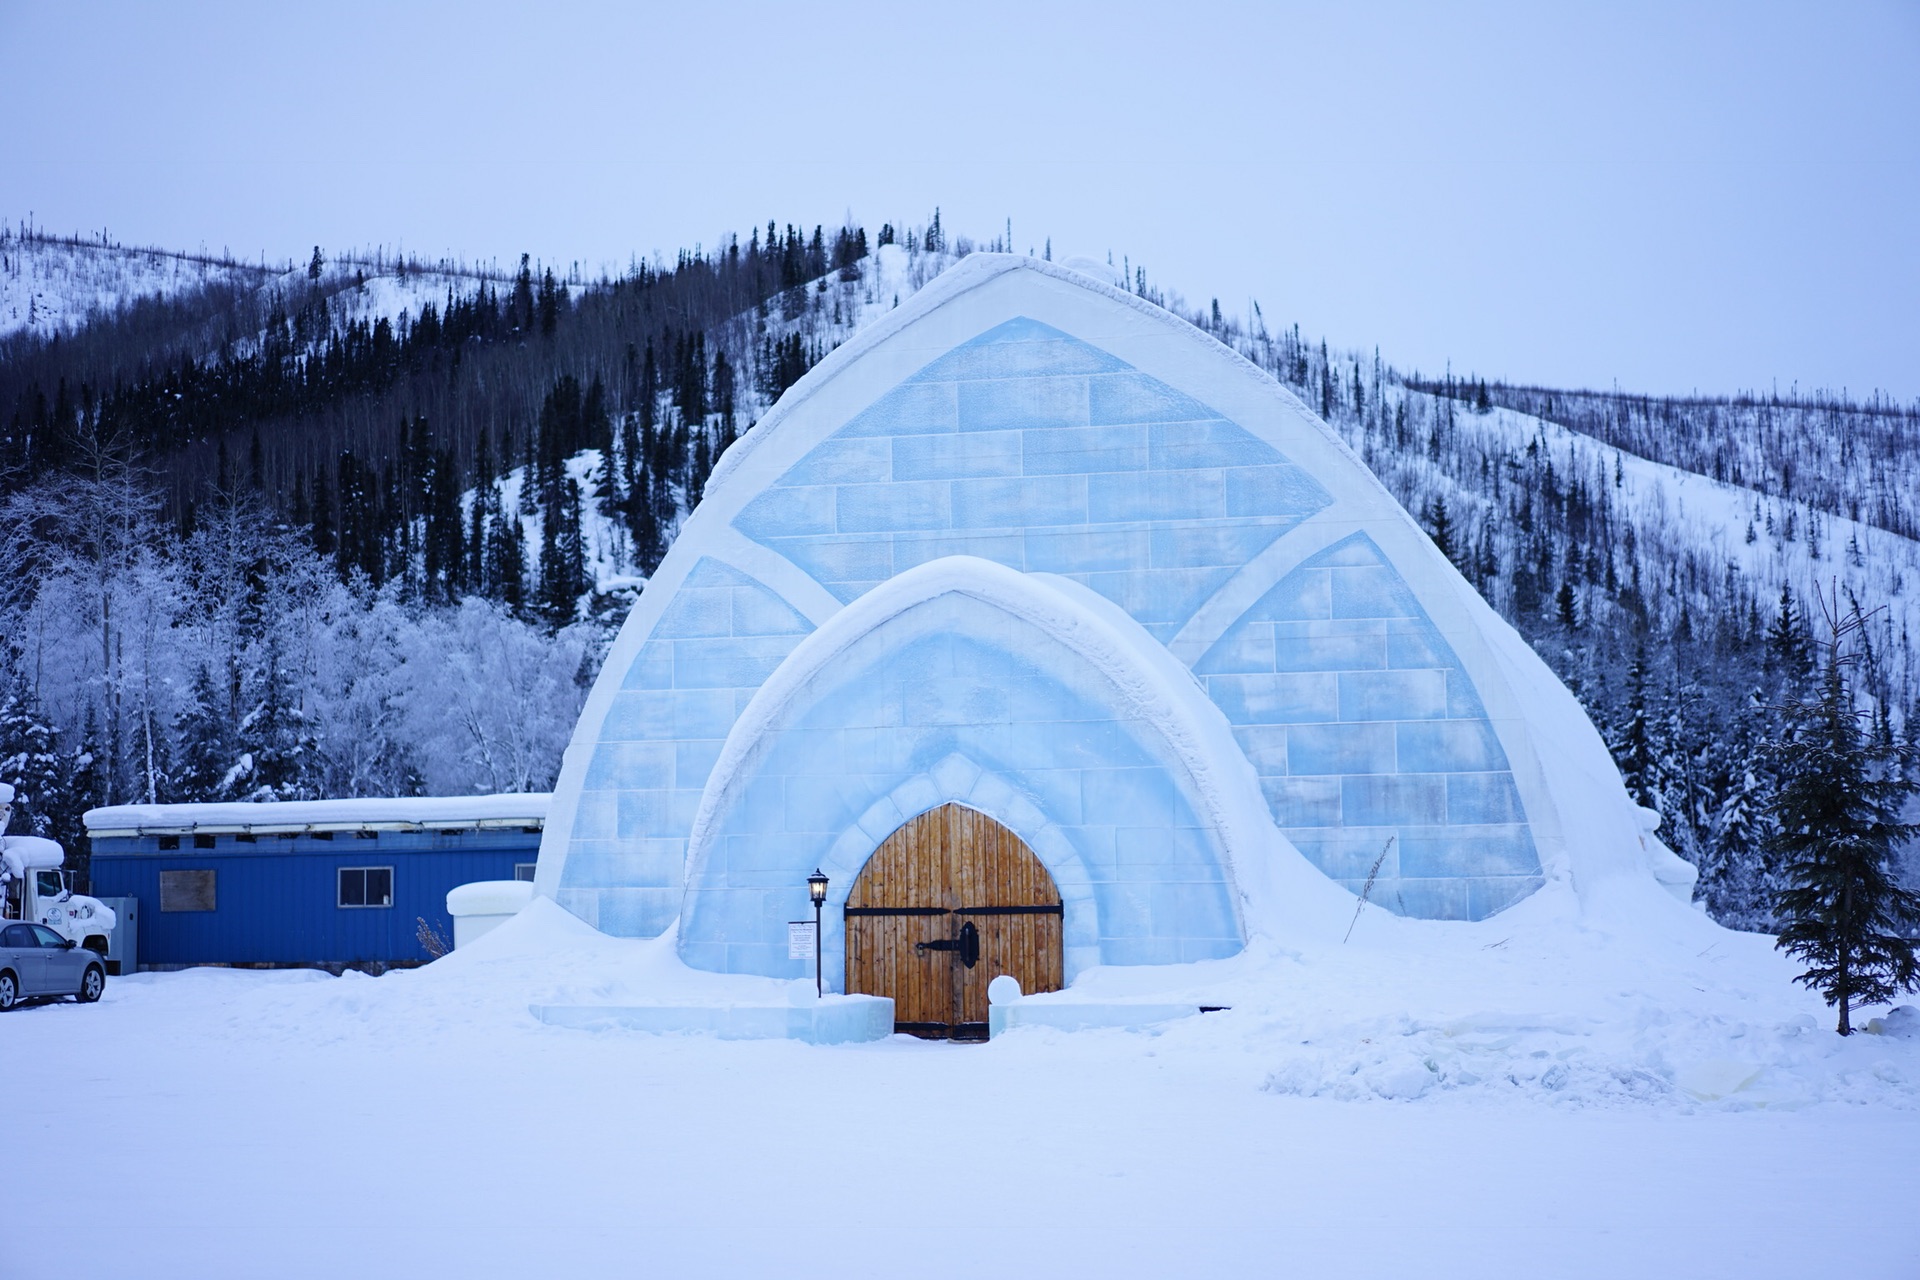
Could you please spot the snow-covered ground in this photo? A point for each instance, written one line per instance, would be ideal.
(1542, 1094)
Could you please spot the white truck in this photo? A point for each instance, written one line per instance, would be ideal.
(35, 889)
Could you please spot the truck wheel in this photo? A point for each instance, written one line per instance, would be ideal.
(9, 991)
(92, 984)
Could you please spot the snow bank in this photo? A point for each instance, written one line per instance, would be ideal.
(1582, 1061)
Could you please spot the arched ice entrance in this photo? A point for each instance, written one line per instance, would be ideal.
(948, 902)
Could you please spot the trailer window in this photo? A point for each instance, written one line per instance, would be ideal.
(187, 891)
(366, 886)
(524, 870)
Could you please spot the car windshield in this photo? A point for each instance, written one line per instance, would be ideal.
(46, 936)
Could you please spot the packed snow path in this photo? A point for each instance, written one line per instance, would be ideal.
(1519, 1098)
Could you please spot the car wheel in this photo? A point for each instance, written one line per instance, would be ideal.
(9, 991)
(92, 984)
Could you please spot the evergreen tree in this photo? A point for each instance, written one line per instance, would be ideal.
(549, 303)
(276, 738)
(520, 309)
(444, 564)
(206, 742)
(1440, 527)
(86, 788)
(563, 571)
(1639, 761)
(1736, 880)
(1837, 811)
(1565, 607)
(507, 558)
(1787, 642)
(30, 760)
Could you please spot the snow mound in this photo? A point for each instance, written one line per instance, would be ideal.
(1659, 1058)
(1902, 1023)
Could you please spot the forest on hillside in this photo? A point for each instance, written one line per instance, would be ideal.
(292, 538)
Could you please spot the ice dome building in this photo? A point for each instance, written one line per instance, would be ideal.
(1052, 631)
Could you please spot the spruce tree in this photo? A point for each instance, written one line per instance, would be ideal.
(1565, 606)
(85, 788)
(549, 303)
(277, 735)
(30, 761)
(1440, 526)
(206, 746)
(1787, 639)
(1639, 761)
(1837, 814)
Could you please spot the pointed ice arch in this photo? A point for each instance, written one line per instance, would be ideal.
(1028, 698)
(1374, 750)
(1025, 415)
(1037, 450)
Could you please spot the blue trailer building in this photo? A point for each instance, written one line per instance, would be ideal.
(317, 882)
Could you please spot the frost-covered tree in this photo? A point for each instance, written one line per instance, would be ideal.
(1837, 813)
(276, 738)
(30, 760)
(356, 677)
(488, 700)
(1736, 879)
(204, 741)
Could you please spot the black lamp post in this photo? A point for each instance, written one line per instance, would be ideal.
(817, 890)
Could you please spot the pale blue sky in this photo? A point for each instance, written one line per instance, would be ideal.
(1667, 195)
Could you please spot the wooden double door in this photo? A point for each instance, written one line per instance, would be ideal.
(945, 905)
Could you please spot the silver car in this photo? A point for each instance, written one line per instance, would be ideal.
(35, 962)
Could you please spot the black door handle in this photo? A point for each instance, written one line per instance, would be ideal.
(967, 944)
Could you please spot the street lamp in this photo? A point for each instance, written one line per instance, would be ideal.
(817, 890)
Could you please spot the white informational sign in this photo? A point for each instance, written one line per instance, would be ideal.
(800, 939)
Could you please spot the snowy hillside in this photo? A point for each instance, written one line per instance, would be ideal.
(1708, 532)
(830, 311)
(57, 285)
(50, 286)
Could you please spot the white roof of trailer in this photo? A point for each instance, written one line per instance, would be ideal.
(292, 817)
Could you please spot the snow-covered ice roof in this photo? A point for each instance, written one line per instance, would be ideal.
(410, 813)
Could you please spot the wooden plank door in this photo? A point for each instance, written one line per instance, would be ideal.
(900, 900)
(907, 917)
(1005, 892)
